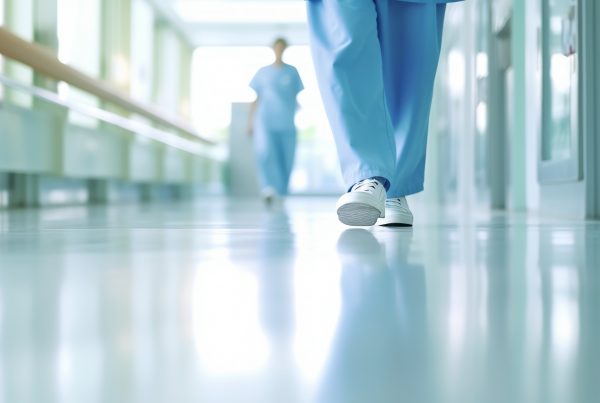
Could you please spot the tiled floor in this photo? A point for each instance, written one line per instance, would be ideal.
(226, 302)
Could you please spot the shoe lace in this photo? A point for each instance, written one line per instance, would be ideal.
(366, 185)
(397, 202)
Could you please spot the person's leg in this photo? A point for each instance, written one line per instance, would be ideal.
(349, 69)
(269, 172)
(288, 154)
(410, 36)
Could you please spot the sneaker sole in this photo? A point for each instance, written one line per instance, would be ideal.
(391, 220)
(358, 214)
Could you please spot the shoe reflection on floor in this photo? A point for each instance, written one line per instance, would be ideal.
(380, 352)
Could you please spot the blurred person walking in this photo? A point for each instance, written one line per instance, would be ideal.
(376, 62)
(271, 122)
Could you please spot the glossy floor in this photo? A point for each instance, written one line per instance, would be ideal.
(226, 302)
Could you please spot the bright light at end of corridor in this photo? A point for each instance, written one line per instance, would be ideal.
(221, 76)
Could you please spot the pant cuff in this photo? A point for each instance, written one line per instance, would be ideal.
(352, 178)
(405, 190)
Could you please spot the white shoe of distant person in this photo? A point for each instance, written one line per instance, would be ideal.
(269, 196)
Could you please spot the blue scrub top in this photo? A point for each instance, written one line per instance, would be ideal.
(426, 1)
(277, 88)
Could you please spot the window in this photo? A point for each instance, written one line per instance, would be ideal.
(142, 50)
(559, 89)
(79, 47)
(560, 141)
(1, 58)
(19, 19)
(168, 67)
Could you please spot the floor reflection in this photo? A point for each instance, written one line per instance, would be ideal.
(380, 351)
(228, 302)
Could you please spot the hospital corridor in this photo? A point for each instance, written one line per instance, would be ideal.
(299, 201)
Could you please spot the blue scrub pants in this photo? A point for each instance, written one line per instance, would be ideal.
(376, 62)
(275, 150)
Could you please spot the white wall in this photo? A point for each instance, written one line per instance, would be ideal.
(242, 159)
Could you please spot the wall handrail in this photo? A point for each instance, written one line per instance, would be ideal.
(45, 62)
(192, 146)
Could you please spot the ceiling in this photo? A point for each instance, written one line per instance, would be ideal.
(237, 22)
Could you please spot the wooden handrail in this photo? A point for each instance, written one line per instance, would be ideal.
(45, 62)
(189, 145)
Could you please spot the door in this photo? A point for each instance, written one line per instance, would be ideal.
(566, 157)
(500, 101)
(560, 156)
(591, 101)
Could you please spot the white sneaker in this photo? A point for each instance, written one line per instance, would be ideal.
(269, 196)
(397, 212)
(363, 205)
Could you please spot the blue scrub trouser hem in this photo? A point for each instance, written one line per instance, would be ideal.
(352, 179)
(405, 191)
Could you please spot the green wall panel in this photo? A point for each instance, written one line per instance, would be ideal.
(94, 153)
(145, 161)
(29, 141)
(175, 165)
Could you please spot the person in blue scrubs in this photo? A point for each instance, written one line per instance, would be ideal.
(272, 122)
(376, 62)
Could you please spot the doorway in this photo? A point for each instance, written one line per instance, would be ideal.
(568, 153)
(591, 101)
(501, 91)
